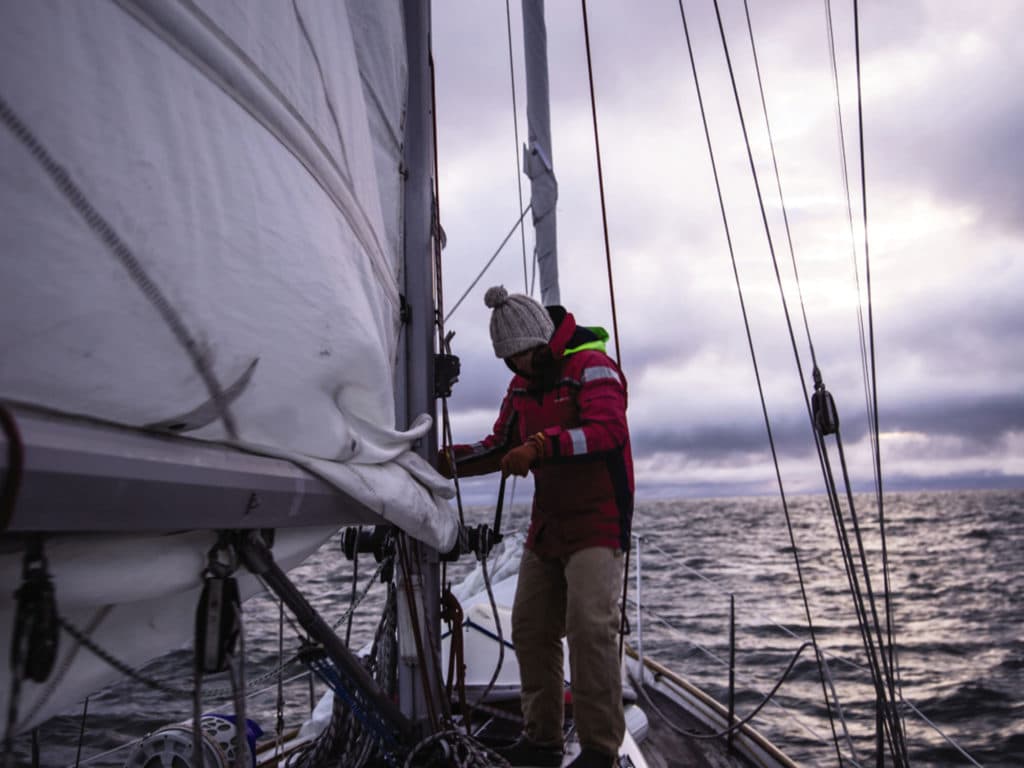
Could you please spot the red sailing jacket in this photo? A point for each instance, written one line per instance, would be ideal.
(584, 479)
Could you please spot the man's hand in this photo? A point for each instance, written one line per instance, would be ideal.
(519, 460)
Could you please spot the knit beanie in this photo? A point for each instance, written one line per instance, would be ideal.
(517, 322)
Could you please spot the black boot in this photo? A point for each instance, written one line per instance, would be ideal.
(525, 752)
(592, 758)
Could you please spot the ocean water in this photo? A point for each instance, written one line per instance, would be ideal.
(956, 573)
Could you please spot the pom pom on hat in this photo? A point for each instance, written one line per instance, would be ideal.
(495, 296)
(518, 323)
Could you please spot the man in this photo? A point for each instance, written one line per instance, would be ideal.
(564, 418)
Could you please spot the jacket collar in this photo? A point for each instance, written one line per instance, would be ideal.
(565, 329)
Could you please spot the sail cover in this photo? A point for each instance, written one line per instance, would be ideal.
(200, 207)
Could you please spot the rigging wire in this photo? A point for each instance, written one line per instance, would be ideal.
(347, 616)
(871, 338)
(515, 128)
(674, 632)
(891, 716)
(600, 186)
(891, 721)
(355, 584)
(436, 232)
(869, 406)
(844, 163)
(279, 703)
(778, 186)
(490, 261)
(444, 340)
(867, 378)
(844, 168)
(834, 507)
(459, 747)
(887, 662)
(736, 725)
(611, 280)
(753, 356)
(81, 733)
(763, 617)
(949, 740)
(84, 640)
(501, 644)
(822, 453)
(851, 568)
(406, 563)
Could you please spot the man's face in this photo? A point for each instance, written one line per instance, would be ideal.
(522, 361)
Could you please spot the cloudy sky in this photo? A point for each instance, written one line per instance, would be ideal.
(942, 108)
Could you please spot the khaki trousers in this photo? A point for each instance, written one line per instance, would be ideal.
(575, 597)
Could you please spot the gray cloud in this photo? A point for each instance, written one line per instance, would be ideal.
(958, 132)
(982, 420)
(943, 194)
(724, 442)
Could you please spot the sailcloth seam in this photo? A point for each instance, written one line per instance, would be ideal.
(192, 34)
(323, 81)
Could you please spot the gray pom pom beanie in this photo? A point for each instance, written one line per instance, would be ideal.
(517, 322)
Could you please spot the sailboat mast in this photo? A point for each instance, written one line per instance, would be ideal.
(537, 157)
(417, 378)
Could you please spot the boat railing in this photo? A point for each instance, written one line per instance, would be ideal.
(697, 647)
(826, 656)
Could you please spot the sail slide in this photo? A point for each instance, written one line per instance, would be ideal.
(201, 232)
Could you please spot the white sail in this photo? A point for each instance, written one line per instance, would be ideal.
(233, 169)
(198, 196)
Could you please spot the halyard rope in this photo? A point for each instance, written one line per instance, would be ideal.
(527, 281)
(600, 186)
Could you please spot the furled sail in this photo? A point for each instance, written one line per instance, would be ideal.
(201, 209)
